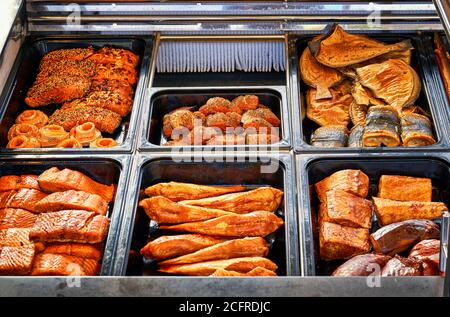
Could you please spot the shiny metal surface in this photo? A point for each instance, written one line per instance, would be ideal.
(443, 9)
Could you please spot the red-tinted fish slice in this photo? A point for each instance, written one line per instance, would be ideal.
(73, 199)
(16, 218)
(16, 260)
(81, 250)
(56, 180)
(70, 226)
(49, 264)
(26, 198)
(15, 182)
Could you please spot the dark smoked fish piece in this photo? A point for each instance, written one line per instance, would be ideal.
(382, 127)
(355, 138)
(416, 130)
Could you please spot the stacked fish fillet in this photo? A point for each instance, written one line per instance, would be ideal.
(365, 83)
(407, 244)
(226, 226)
(52, 224)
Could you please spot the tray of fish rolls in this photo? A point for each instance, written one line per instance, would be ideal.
(59, 217)
(69, 94)
(210, 219)
(360, 92)
(374, 217)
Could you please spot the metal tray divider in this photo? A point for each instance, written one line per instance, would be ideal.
(290, 218)
(428, 88)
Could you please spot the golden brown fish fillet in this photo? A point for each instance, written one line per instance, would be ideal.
(405, 188)
(223, 121)
(49, 264)
(317, 75)
(163, 210)
(389, 211)
(352, 181)
(16, 218)
(167, 247)
(70, 226)
(77, 54)
(257, 271)
(254, 224)
(363, 96)
(85, 251)
(114, 100)
(238, 248)
(340, 49)
(333, 111)
(23, 198)
(252, 118)
(15, 237)
(340, 242)
(110, 55)
(115, 72)
(178, 119)
(347, 209)
(56, 180)
(182, 191)
(262, 198)
(72, 199)
(394, 81)
(216, 104)
(242, 265)
(427, 250)
(244, 103)
(105, 120)
(16, 182)
(16, 260)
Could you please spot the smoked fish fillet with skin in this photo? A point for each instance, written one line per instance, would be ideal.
(389, 211)
(80, 250)
(167, 247)
(242, 265)
(183, 191)
(262, 198)
(70, 226)
(405, 188)
(49, 264)
(352, 181)
(16, 182)
(254, 224)
(257, 271)
(340, 49)
(163, 210)
(238, 248)
(73, 199)
(16, 260)
(56, 180)
(24, 198)
(16, 218)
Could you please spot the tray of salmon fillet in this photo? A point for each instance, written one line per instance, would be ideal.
(369, 217)
(74, 94)
(58, 218)
(209, 219)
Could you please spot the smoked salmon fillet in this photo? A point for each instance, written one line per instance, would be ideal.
(55, 180)
(262, 198)
(110, 55)
(85, 251)
(167, 247)
(15, 182)
(16, 260)
(163, 210)
(72, 199)
(183, 191)
(24, 198)
(254, 224)
(63, 265)
(242, 265)
(16, 218)
(70, 226)
(351, 181)
(238, 248)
